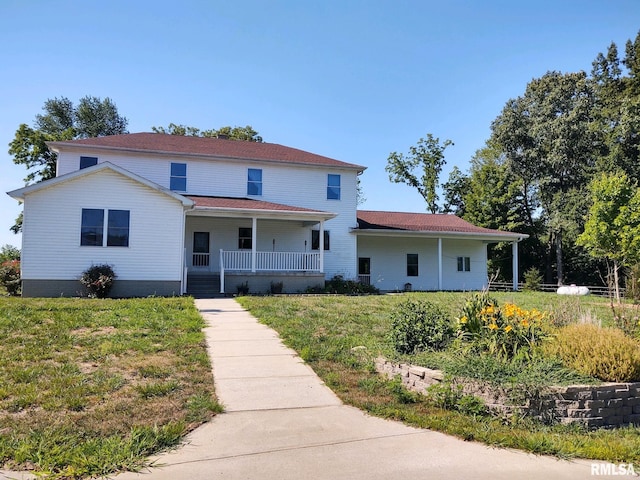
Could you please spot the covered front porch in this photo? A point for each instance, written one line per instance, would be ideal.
(246, 245)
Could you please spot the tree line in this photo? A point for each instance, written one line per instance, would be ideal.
(539, 170)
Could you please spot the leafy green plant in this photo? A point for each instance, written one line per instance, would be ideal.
(10, 276)
(98, 280)
(243, 288)
(604, 353)
(452, 397)
(417, 326)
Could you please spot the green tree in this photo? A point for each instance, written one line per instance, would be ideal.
(8, 253)
(59, 121)
(247, 134)
(420, 168)
(612, 229)
(547, 138)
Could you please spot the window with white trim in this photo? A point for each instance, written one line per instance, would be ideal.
(333, 187)
(464, 264)
(412, 264)
(86, 162)
(178, 180)
(95, 223)
(254, 181)
(315, 240)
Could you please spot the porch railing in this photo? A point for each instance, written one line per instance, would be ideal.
(270, 261)
(200, 259)
(244, 261)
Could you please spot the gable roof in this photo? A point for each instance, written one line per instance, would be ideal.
(426, 223)
(20, 193)
(179, 145)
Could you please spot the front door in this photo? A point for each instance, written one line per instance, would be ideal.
(364, 270)
(201, 255)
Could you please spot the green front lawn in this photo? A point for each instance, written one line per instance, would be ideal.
(325, 330)
(92, 387)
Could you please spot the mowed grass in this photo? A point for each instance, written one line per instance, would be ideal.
(93, 387)
(329, 332)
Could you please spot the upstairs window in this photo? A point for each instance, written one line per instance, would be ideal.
(245, 238)
(178, 180)
(86, 162)
(412, 264)
(464, 264)
(254, 181)
(333, 187)
(315, 240)
(92, 230)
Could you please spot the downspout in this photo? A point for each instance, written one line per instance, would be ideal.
(514, 267)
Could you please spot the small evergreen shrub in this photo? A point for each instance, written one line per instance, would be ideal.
(604, 353)
(98, 280)
(418, 326)
(10, 276)
(532, 280)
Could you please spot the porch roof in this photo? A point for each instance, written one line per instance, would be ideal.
(234, 207)
(426, 224)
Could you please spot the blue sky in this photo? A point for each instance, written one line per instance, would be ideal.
(352, 80)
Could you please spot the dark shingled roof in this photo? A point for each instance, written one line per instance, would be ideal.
(213, 147)
(419, 222)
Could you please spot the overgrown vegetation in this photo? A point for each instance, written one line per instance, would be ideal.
(10, 276)
(92, 387)
(325, 331)
(604, 353)
(338, 285)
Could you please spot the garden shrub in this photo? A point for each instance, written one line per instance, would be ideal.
(418, 326)
(604, 353)
(10, 276)
(98, 280)
(508, 332)
(338, 285)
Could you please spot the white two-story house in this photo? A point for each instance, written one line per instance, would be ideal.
(176, 214)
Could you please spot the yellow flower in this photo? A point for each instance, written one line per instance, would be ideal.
(524, 322)
(508, 328)
(493, 326)
(464, 320)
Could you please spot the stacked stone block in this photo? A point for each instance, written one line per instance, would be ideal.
(606, 405)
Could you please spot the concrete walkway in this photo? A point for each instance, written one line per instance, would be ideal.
(281, 422)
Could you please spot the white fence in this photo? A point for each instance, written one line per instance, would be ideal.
(241, 260)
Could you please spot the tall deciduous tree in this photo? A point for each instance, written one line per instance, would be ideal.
(547, 138)
(247, 134)
(60, 120)
(612, 230)
(420, 168)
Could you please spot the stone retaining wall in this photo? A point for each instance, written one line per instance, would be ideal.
(606, 405)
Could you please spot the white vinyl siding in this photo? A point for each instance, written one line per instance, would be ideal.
(295, 185)
(52, 221)
(389, 262)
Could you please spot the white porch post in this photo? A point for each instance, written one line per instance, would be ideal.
(254, 241)
(514, 249)
(322, 246)
(221, 271)
(439, 263)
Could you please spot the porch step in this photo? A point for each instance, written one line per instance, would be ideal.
(203, 286)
